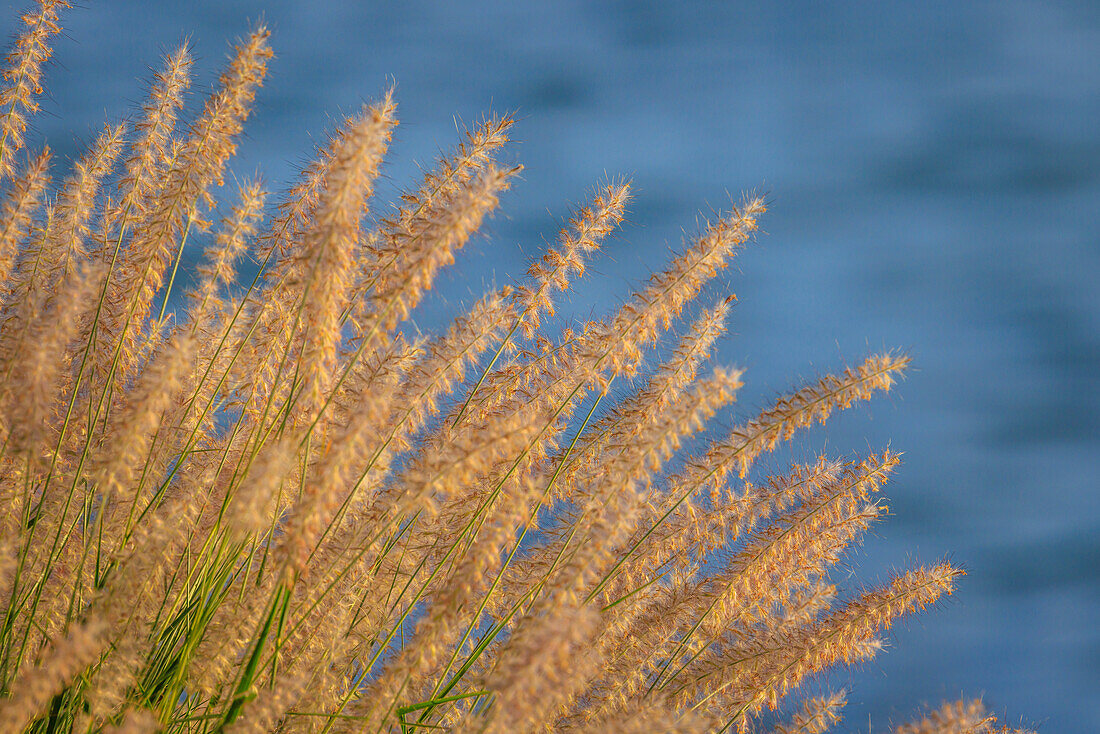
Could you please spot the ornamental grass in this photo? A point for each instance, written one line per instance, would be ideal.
(268, 503)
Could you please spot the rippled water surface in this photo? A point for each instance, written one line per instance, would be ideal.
(934, 175)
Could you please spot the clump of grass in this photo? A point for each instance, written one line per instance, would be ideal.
(275, 508)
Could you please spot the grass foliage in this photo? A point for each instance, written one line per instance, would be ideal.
(275, 506)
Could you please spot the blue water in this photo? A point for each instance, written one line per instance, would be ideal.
(934, 174)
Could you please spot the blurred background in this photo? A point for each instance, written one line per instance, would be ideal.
(933, 171)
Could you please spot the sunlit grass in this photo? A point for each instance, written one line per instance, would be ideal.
(272, 507)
